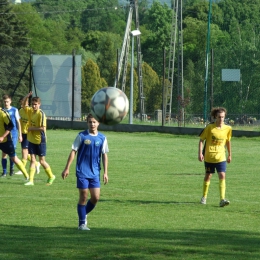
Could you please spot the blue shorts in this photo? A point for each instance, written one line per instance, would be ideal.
(37, 149)
(25, 142)
(220, 167)
(8, 148)
(86, 183)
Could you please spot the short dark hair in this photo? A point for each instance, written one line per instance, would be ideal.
(5, 96)
(36, 99)
(90, 116)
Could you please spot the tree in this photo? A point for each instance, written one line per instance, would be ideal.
(13, 47)
(239, 50)
(39, 35)
(103, 15)
(91, 83)
(152, 89)
(107, 54)
(104, 47)
(158, 22)
(67, 11)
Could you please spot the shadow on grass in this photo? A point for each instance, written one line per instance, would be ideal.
(138, 202)
(21, 242)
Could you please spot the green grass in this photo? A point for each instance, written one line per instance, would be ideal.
(149, 209)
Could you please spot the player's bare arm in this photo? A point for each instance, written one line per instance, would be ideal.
(34, 128)
(200, 154)
(105, 164)
(20, 131)
(65, 172)
(25, 100)
(228, 145)
(4, 136)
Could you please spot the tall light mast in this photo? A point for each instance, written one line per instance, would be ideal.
(176, 43)
(123, 59)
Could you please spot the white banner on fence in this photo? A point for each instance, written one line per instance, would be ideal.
(52, 76)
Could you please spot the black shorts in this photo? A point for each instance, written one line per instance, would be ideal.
(25, 142)
(8, 148)
(220, 167)
(37, 149)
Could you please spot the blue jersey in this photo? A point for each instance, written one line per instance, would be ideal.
(89, 149)
(15, 117)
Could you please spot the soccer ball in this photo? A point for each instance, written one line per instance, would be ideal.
(109, 105)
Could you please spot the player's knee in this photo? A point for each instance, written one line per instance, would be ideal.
(94, 200)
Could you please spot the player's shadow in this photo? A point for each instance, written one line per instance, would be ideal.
(138, 202)
(30, 242)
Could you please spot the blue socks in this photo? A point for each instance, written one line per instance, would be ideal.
(89, 207)
(11, 164)
(4, 165)
(81, 214)
(83, 210)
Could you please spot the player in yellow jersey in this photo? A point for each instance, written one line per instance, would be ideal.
(6, 142)
(217, 137)
(24, 144)
(37, 138)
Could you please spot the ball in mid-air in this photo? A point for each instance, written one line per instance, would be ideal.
(109, 105)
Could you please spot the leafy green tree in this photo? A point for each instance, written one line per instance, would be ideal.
(13, 47)
(13, 33)
(102, 15)
(39, 35)
(91, 83)
(238, 49)
(104, 46)
(107, 55)
(191, 81)
(135, 87)
(158, 22)
(58, 28)
(152, 89)
(61, 10)
(198, 10)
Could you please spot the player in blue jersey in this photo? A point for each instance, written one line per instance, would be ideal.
(90, 146)
(16, 132)
(6, 143)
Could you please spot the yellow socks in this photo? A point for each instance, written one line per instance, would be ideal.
(24, 161)
(49, 172)
(206, 188)
(21, 167)
(32, 172)
(222, 189)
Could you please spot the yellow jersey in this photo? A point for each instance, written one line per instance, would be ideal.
(215, 145)
(5, 124)
(36, 119)
(24, 120)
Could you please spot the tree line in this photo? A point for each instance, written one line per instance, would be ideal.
(95, 30)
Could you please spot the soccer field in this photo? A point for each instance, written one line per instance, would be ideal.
(149, 209)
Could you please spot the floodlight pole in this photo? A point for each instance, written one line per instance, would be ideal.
(131, 83)
(131, 102)
(207, 65)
